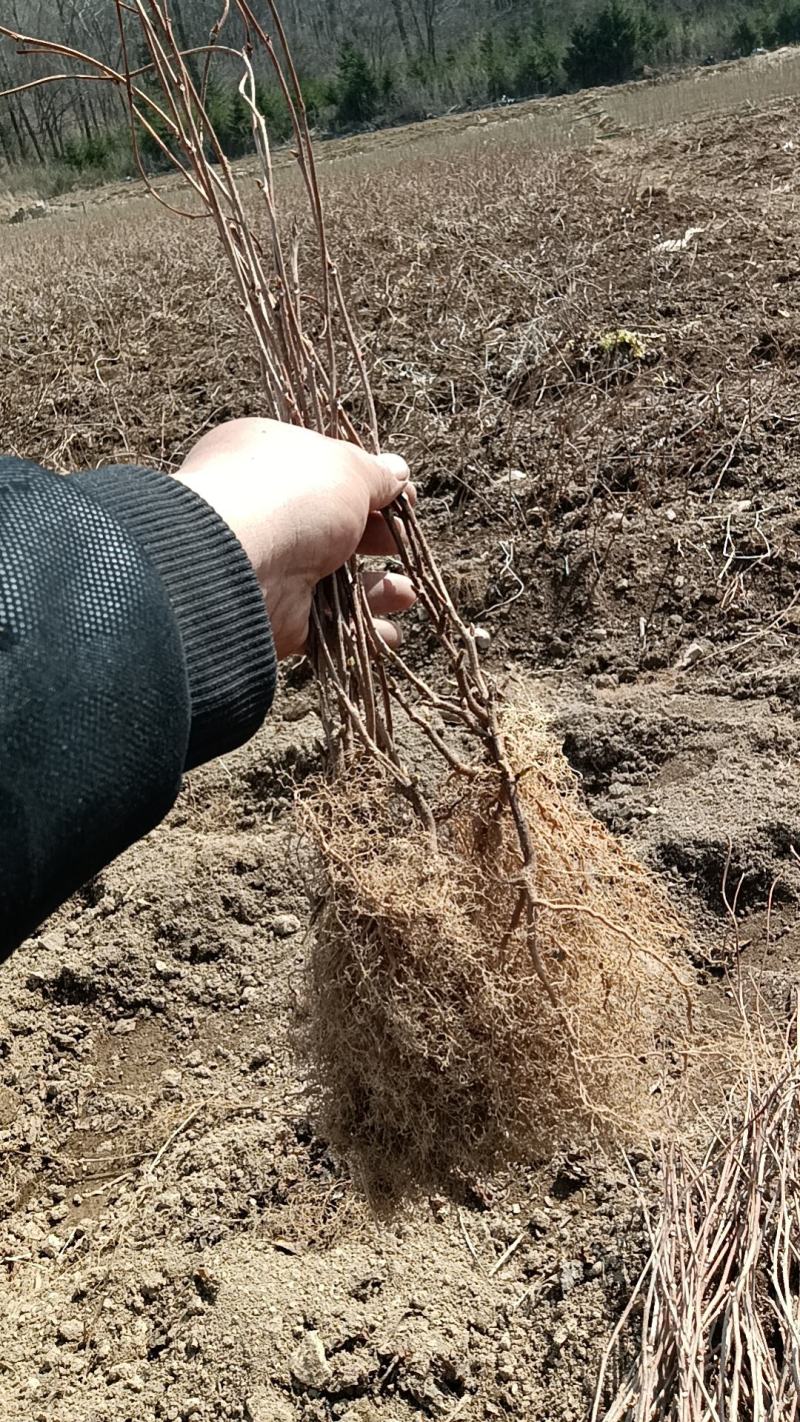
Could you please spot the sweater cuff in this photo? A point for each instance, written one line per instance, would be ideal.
(215, 597)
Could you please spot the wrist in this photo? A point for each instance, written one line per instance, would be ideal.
(221, 489)
(216, 601)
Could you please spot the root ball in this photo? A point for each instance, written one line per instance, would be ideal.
(438, 1049)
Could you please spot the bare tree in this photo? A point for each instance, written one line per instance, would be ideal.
(430, 10)
(402, 29)
(394, 34)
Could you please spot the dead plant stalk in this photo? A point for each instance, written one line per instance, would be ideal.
(719, 1333)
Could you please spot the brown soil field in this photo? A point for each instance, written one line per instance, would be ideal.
(590, 354)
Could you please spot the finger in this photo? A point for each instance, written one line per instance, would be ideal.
(388, 593)
(390, 633)
(410, 492)
(378, 541)
(387, 477)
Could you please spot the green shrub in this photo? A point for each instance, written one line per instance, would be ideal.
(317, 99)
(744, 37)
(424, 72)
(96, 158)
(356, 89)
(94, 152)
(603, 50)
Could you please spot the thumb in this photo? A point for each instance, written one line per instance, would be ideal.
(389, 476)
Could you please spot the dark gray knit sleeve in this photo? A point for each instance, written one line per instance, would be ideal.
(214, 594)
(134, 643)
(94, 697)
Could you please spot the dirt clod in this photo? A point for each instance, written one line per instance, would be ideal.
(285, 925)
(309, 1365)
(70, 1330)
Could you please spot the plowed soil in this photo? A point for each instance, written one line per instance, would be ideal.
(606, 434)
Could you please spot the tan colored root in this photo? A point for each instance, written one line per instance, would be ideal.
(435, 1048)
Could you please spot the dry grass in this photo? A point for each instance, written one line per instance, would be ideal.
(720, 89)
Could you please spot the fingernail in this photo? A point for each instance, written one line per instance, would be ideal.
(396, 465)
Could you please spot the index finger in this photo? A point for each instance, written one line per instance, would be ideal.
(377, 541)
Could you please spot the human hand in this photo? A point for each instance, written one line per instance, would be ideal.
(301, 505)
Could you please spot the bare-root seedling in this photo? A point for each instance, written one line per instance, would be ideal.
(716, 1307)
(440, 1045)
(491, 973)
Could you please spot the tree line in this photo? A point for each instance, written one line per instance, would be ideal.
(371, 62)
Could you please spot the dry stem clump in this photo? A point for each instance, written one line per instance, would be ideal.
(436, 1048)
(715, 1309)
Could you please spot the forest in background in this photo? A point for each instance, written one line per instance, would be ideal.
(365, 63)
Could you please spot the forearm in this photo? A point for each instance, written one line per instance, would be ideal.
(137, 615)
(133, 645)
(214, 597)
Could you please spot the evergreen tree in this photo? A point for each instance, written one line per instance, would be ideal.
(316, 97)
(219, 105)
(151, 151)
(493, 63)
(605, 49)
(652, 30)
(272, 107)
(787, 24)
(745, 37)
(356, 88)
(538, 70)
(387, 86)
